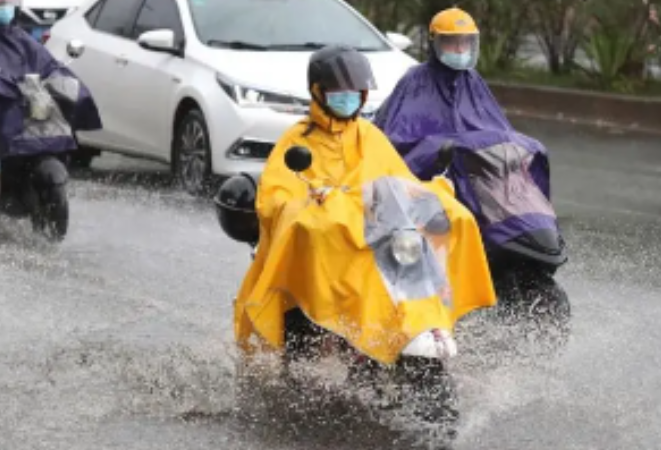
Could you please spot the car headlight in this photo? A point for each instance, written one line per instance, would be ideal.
(247, 96)
(406, 247)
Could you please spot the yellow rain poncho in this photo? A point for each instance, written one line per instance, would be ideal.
(316, 256)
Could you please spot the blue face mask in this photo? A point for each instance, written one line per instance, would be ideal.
(456, 61)
(345, 103)
(7, 13)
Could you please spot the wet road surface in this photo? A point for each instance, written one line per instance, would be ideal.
(120, 338)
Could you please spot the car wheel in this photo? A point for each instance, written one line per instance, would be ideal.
(81, 160)
(82, 157)
(191, 153)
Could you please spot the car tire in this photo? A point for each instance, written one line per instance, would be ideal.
(191, 153)
(82, 157)
(81, 160)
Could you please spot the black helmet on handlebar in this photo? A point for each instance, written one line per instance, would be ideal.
(235, 208)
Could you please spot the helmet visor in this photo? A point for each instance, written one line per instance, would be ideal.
(349, 71)
(458, 51)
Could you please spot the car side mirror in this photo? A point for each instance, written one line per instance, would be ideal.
(162, 40)
(399, 40)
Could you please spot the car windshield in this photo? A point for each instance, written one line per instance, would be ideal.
(281, 25)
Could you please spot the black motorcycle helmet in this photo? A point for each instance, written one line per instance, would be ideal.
(235, 208)
(339, 67)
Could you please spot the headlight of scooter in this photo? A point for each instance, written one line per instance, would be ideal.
(407, 247)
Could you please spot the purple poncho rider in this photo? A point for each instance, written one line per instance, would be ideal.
(501, 175)
(20, 55)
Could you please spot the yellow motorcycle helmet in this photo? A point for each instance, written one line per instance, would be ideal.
(455, 39)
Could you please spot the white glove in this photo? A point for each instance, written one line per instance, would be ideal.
(445, 343)
(320, 194)
(41, 105)
(432, 344)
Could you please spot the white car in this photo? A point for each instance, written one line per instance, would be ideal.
(210, 85)
(37, 16)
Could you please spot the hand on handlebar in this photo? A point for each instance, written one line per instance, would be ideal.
(445, 156)
(319, 191)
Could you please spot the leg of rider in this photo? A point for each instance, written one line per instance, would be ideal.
(49, 171)
(28, 192)
(302, 337)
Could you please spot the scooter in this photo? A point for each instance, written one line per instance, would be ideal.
(35, 186)
(522, 267)
(419, 379)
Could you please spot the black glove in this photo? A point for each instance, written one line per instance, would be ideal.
(445, 156)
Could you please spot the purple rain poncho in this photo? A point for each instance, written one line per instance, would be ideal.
(501, 175)
(21, 54)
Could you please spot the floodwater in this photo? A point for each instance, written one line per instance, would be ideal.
(121, 337)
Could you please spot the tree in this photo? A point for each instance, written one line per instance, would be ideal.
(388, 15)
(618, 41)
(410, 17)
(502, 23)
(559, 26)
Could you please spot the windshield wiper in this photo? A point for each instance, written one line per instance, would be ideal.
(315, 46)
(370, 49)
(237, 45)
(301, 46)
(243, 45)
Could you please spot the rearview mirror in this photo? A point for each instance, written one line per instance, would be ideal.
(75, 48)
(298, 159)
(162, 40)
(399, 40)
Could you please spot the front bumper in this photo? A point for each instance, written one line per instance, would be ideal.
(254, 132)
(250, 149)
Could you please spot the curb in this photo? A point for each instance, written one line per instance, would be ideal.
(599, 124)
(621, 112)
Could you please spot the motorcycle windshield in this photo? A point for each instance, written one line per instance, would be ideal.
(392, 205)
(498, 182)
(500, 177)
(44, 118)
